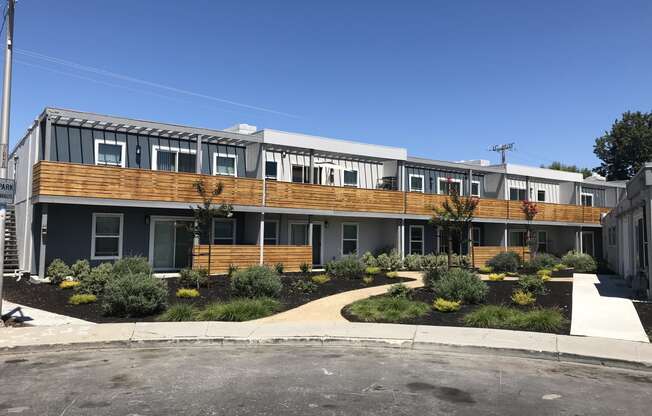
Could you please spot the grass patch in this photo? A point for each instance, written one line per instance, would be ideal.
(238, 310)
(187, 293)
(81, 299)
(504, 317)
(178, 312)
(387, 309)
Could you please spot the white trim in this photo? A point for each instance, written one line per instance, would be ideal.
(471, 190)
(357, 178)
(235, 225)
(226, 155)
(583, 194)
(123, 152)
(277, 231)
(93, 236)
(157, 147)
(423, 238)
(357, 237)
(152, 220)
(423, 182)
(441, 179)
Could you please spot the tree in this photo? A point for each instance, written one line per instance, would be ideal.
(625, 148)
(556, 165)
(455, 215)
(530, 210)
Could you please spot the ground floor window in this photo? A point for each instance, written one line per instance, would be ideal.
(299, 234)
(224, 231)
(271, 233)
(517, 238)
(416, 239)
(476, 236)
(106, 241)
(542, 241)
(349, 238)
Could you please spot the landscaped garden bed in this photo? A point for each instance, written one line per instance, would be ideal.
(216, 299)
(644, 310)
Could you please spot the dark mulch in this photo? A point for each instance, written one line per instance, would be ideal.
(644, 310)
(51, 298)
(560, 294)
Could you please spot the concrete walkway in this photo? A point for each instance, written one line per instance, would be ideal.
(602, 308)
(328, 309)
(43, 318)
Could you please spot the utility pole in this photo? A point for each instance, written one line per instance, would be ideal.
(4, 133)
(502, 149)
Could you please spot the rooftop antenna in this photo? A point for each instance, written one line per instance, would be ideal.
(502, 149)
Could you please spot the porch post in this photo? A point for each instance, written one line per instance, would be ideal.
(43, 231)
(402, 239)
(505, 238)
(261, 238)
(198, 158)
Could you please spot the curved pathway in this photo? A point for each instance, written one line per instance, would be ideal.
(328, 308)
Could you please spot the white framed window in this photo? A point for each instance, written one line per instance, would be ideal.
(349, 238)
(542, 241)
(517, 194)
(270, 237)
(298, 234)
(224, 231)
(173, 159)
(445, 186)
(416, 183)
(300, 174)
(225, 164)
(587, 199)
(106, 238)
(110, 153)
(475, 188)
(351, 177)
(541, 195)
(416, 239)
(517, 238)
(476, 236)
(271, 169)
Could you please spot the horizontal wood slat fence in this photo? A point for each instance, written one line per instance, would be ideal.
(221, 256)
(482, 254)
(77, 180)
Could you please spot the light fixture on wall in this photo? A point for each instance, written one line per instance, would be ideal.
(325, 224)
(138, 154)
(283, 154)
(147, 219)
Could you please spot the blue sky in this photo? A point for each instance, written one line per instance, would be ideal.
(446, 79)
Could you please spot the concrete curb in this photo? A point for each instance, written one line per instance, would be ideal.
(588, 350)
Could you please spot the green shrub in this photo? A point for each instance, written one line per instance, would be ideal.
(68, 284)
(96, 280)
(391, 261)
(496, 277)
(543, 261)
(348, 267)
(80, 269)
(387, 309)
(559, 267)
(58, 271)
(179, 312)
(367, 280)
(232, 269)
(256, 281)
(132, 265)
(460, 285)
(187, 293)
(369, 260)
(582, 263)
(134, 295)
(238, 310)
(413, 262)
(305, 268)
(433, 261)
(81, 299)
(320, 279)
(430, 276)
(278, 268)
(392, 275)
(544, 274)
(192, 278)
(507, 261)
(504, 317)
(532, 284)
(372, 270)
(523, 298)
(443, 305)
(462, 261)
(485, 270)
(303, 286)
(399, 290)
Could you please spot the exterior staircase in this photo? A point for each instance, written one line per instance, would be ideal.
(11, 243)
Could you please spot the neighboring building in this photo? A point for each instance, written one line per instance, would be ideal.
(627, 231)
(101, 187)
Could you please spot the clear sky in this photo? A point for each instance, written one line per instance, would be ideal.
(445, 79)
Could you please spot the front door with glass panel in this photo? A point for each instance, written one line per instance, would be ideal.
(171, 244)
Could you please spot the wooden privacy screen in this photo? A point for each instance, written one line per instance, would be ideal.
(221, 256)
(482, 254)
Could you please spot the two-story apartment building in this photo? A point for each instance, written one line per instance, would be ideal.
(101, 187)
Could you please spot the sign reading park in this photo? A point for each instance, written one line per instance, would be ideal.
(7, 187)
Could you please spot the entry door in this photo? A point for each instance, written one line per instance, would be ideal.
(588, 243)
(172, 242)
(316, 244)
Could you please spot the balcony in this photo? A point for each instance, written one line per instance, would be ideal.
(218, 258)
(90, 181)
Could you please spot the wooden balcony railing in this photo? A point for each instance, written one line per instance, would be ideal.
(70, 179)
(482, 254)
(220, 257)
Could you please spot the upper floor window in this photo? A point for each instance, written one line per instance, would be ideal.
(173, 159)
(271, 169)
(541, 195)
(416, 183)
(517, 194)
(300, 174)
(225, 164)
(107, 153)
(587, 200)
(448, 185)
(351, 178)
(475, 188)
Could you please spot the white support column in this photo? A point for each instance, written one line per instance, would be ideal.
(402, 239)
(261, 238)
(198, 159)
(48, 139)
(44, 231)
(309, 231)
(505, 237)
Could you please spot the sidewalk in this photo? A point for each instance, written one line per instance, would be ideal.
(43, 318)
(602, 308)
(437, 339)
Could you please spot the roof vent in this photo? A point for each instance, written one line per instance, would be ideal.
(241, 128)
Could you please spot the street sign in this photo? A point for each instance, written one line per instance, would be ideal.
(7, 187)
